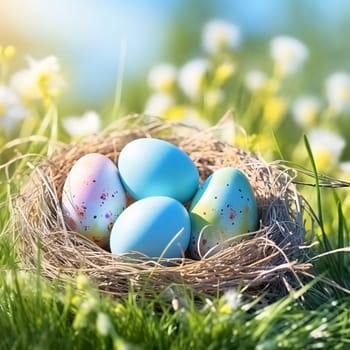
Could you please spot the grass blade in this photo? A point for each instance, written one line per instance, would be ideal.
(325, 240)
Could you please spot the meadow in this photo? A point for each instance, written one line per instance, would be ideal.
(265, 112)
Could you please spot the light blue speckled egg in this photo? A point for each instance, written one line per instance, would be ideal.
(93, 197)
(154, 167)
(155, 226)
(224, 206)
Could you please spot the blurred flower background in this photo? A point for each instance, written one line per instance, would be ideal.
(275, 69)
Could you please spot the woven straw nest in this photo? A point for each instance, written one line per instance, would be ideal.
(268, 261)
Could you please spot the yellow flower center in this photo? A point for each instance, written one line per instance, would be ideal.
(220, 39)
(223, 72)
(288, 53)
(46, 86)
(309, 115)
(43, 84)
(225, 309)
(166, 85)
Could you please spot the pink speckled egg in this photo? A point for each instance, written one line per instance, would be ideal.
(93, 197)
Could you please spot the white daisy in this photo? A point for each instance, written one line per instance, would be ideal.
(192, 76)
(305, 110)
(87, 124)
(232, 299)
(158, 103)
(162, 77)
(255, 80)
(43, 79)
(219, 34)
(338, 91)
(288, 53)
(326, 146)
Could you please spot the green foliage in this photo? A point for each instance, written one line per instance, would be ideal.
(37, 314)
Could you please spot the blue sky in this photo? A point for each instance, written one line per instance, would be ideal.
(87, 35)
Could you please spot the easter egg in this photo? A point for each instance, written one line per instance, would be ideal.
(93, 197)
(155, 226)
(224, 206)
(154, 167)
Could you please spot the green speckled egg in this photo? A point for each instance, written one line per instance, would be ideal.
(224, 206)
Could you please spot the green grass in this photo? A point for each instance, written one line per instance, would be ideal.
(39, 314)
(35, 314)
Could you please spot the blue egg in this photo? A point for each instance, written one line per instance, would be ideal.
(155, 226)
(154, 167)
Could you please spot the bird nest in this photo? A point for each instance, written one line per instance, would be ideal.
(269, 261)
